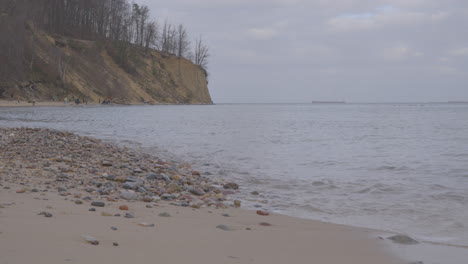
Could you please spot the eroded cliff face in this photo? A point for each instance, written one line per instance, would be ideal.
(62, 67)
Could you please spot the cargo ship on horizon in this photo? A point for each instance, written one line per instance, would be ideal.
(328, 102)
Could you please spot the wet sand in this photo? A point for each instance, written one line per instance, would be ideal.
(49, 181)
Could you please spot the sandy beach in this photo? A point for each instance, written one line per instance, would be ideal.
(71, 199)
(4, 103)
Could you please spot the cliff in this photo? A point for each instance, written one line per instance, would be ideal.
(60, 67)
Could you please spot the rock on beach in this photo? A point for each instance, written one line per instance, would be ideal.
(231, 185)
(88, 170)
(128, 195)
(403, 239)
(261, 212)
(98, 204)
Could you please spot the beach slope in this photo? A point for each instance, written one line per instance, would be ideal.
(71, 199)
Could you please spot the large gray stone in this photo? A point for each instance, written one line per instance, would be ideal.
(127, 195)
(402, 239)
(98, 204)
(130, 185)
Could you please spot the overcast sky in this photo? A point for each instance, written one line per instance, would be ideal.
(352, 50)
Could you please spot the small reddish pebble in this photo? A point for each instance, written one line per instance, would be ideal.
(21, 191)
(123, 207)
(261, 212)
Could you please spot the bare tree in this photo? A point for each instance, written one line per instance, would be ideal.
(172, 39)
(183, 42)
(151, 35)
(117, 22)
(62, 64)
(168, 39)
(144, 15)
(13, 40)
(164, 39)
(201, 53)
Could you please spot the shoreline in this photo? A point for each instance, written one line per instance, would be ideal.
(63, 181)
(6, 104)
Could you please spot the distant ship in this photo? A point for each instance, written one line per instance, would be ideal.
(458, 102)
(328, 102)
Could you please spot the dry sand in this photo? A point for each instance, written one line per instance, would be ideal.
(188, 236)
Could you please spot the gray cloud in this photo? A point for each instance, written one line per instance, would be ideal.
(354, 50)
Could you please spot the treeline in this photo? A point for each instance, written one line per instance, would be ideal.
(116, 21)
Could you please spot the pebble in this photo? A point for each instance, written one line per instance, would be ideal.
(129, 215)
(115, 244)
(91, 240)
(261, 212)
(106, 214)
(123, 207)
(91, 166)
(165, 214)
(264, 224)
(148, 206)
(237, 203)
(46, 214)
(110, 177)
(133, 179)
(226, 215)
(168, 197)
(98, 204)
(173, 187)
(127, 195)
(152, 176)
(130, 185)
(231, 185)
(255, 193)
(107, 163)
(196, 191)
(147, 199)
(224, 227)
(402, 239)
(114, 228)
(143, 224)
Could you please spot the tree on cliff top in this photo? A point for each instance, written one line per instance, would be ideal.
(201, 53)
(116, 22)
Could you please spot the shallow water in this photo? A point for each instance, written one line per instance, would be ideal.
(394, 167)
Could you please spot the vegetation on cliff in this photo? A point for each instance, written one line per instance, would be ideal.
(55, 49)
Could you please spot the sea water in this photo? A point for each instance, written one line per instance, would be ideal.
(394, 167)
